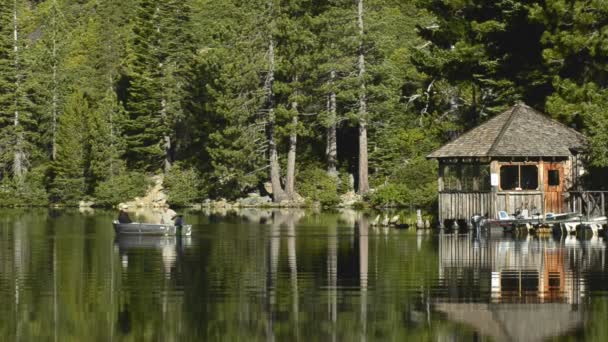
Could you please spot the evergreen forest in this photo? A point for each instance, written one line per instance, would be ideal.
(308, 98)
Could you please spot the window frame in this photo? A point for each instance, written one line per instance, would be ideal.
(559, 178)
(465, 177)
(518, 188)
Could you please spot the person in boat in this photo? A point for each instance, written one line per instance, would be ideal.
(179, 221)
(123, 216)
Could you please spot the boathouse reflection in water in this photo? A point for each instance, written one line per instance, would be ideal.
(536, 284)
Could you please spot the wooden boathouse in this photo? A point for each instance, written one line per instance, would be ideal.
(518, 160)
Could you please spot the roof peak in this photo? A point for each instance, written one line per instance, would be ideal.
(518, 131)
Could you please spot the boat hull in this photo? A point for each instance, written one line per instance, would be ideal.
(137, 228)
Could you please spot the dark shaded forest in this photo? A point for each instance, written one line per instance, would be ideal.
(311, 99)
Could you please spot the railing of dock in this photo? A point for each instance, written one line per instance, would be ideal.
(588, 203)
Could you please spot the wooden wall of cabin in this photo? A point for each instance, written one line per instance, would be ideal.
(463, 205)
(547, 197)
(464, 189)
(457, 201)
(510, 201)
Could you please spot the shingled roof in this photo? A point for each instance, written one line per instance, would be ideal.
(520, 131)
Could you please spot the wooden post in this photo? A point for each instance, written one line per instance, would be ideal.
(541, 185)
(494, 169)
(440, 188)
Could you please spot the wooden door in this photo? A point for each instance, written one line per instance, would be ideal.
(554, 187)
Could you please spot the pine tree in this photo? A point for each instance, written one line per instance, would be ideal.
(335, 56)
(69, 167)
(575, 54)
(177, 58)
(295, 43)
(16, 123)
(160, 55)
(106, 141)
(489, 50)
(143, 127)
(232, 69)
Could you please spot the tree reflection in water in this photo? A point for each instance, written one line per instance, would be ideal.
(291, 275)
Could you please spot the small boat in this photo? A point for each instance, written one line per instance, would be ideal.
(137, 228)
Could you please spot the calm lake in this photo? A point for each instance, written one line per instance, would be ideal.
(292, 275)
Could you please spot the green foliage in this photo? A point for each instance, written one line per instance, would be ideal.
(121, 188)
(575, 51)
(489, 51)
(412, 183)
(316, 185)
(140, 85)
(68, 170)
(106, 143)
(183, 186)
(159, 57)
(29, 191)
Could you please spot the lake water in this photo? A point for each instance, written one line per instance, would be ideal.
(292, 276)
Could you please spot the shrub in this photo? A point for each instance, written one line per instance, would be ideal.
(317, 186)
(30, 192)
(413, 183)
(183, 186)
(121, 188)
(345, 182)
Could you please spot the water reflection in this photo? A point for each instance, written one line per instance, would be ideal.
(169, 246)
(292, 275)
(517, 289)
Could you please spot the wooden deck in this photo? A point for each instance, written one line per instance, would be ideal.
(588, 203)
(460, 205)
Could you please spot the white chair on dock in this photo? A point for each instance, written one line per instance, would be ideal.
(503, 216)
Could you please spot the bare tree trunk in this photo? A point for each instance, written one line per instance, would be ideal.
(55, 83)
(18, 162)
(112, 133)
(168, 159)
(166, 143)
(275, 169)
(291, 154)
(331, 151)
(363, 164)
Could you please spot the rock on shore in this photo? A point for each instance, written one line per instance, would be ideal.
(154, 198)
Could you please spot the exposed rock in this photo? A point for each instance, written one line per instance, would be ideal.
(154, 198)
(351, 181)
(297, 199)
(220, 203)
(419, 222)
(268, 188)
(349, 199)
(254, 200)
(85, 204)
(86, 210)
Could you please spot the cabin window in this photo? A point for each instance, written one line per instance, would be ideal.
(519, 177)
(509, 177)
(553, 178)
(466, 177)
